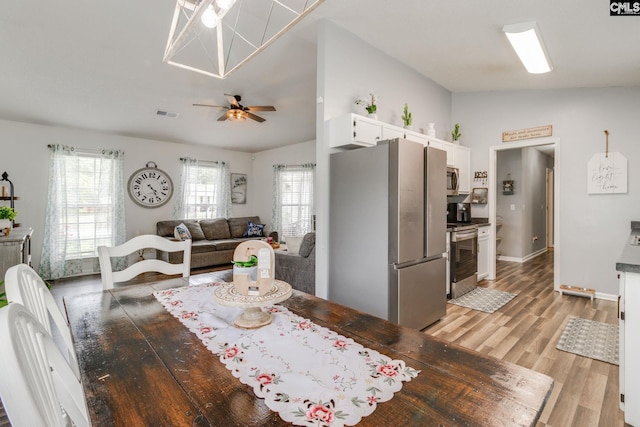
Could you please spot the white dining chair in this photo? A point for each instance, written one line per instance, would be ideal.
(37, 385)
(23, 285)
(145, 241)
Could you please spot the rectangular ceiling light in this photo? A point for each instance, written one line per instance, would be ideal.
(526, 41)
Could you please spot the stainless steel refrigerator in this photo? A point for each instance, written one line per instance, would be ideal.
(387, 231)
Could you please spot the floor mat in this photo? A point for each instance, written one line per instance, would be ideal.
(589, 338)
(483, 299)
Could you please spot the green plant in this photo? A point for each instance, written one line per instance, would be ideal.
(3, 296)
(370, 106)
(7, 213)
(406, 116)
(455, 133)
(252, 261)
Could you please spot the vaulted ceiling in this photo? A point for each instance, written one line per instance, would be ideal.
(98, 65)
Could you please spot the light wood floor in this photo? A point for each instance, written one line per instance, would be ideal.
(526, 331)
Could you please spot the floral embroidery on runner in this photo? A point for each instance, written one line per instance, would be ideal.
(308, 374)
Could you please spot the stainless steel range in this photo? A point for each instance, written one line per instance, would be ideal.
(463, 258)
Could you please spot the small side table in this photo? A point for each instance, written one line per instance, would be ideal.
(15, 249)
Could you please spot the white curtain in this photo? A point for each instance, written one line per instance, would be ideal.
(292, 209)
(85, 209)
(204, 190)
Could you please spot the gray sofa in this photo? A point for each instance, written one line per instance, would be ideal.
(299, 270)
(213, 240)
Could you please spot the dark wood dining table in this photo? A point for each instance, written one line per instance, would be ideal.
(140, 366)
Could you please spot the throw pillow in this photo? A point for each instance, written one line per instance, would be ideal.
(308, 243)
(181, 232)
(254, 230)
(293, 244)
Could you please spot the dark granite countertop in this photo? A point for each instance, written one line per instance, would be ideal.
(629, 261)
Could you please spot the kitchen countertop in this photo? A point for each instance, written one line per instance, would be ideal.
(629, 261)
(480, 222)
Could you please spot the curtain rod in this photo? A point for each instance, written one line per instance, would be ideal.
(81, 150)
(296, 166)
(216, 162)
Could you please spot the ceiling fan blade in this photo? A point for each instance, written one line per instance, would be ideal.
(261, 108)
(207, 105)
(223, 117)
(254, 117)
(232, 99)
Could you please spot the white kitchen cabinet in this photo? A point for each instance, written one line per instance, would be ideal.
(462, 161)
(484, 234)
(353, 131)
(417, 137)
(390, 132)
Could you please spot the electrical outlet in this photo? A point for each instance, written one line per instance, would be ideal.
(513, 207)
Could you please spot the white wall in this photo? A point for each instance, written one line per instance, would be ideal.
(348, 69)
(261, 182)
(27, 163)
(593, 228)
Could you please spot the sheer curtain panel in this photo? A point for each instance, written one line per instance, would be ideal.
(204, 190)
(85, 209)
(293, 201)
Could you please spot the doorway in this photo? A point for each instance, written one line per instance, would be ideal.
(547, 143)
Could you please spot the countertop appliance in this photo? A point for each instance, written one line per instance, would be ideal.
(459, 213)
(463, 258)
(387, 231)
(453, 181)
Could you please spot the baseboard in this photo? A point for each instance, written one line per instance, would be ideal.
(524, 259)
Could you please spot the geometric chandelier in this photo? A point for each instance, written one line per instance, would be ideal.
(215, 37)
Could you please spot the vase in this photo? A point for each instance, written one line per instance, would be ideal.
(5, 227)
(373, 116)
(407, 127)
(431, 130)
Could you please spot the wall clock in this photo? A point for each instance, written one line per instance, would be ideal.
(150, 187)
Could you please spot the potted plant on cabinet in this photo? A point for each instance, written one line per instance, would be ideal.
(7, 215)
(406, 117)
(370, 106)
(455, 133)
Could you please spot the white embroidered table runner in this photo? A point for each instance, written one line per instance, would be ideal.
(306, 373)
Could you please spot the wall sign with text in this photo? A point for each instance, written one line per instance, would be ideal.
(607, 174)
(536, 132)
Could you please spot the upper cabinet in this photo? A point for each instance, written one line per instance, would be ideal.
(352, 131)
(355, 131)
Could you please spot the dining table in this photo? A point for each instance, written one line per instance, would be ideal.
(140, 366)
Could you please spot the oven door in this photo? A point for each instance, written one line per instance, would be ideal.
(464, 254)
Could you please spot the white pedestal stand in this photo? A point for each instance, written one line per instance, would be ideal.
(253, 316)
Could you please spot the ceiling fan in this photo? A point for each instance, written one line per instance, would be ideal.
(237, 111)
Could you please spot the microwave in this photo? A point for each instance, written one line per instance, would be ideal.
(452, 181)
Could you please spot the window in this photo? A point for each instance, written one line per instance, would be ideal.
(205, 190)
(293, 207)
(85, 209)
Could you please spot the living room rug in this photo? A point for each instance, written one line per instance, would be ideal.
(589, 338)
(483, 299)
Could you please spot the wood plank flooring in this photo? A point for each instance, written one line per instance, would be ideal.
(526, 331)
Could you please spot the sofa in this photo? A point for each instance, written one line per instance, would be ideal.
(213, 240)
(299, 269)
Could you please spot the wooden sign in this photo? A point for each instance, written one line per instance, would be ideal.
(607, 173)
(537, 132)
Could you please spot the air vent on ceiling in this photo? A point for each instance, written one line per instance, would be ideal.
(167, 114)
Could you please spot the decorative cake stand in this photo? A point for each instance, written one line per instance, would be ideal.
(253, 316)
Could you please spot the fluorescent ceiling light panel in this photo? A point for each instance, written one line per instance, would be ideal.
(526, 41)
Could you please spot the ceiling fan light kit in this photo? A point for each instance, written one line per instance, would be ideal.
(215, 37)
(527, 42)
(236, 111)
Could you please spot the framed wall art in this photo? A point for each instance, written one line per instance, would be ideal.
(239, 188)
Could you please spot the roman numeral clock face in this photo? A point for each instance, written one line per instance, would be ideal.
(150, 187)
